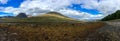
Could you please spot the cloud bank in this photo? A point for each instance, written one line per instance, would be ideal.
(37, 7)
(3, 1)
(104, 6)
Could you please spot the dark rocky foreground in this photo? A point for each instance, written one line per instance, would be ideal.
(109, 32)
(5, 35)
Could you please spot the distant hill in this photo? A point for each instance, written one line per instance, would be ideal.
(7, 17)
(48, 17)
(51, 17)
(21, 15)
(113, 16)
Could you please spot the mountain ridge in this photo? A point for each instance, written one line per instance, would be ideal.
(113, 16)
(48, 17)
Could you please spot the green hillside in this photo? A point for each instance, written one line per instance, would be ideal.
(113, 16)
(49, 17)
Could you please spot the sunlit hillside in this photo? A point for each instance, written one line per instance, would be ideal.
(49, 17)
(113, 16)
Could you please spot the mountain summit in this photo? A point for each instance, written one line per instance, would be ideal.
(55, 13)
(21, 15)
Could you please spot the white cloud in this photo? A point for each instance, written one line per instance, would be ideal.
(28, 11)
(11, 10)
(46, 4)
(36, 7)
(79, 15)
(29, 6)
(89, 4)
(67, 12)
(1, 8)
(58, 6)
(104, 6)
(3, 1)
(109, 6)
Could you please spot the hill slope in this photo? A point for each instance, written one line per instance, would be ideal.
(113, 16)
(21, 15)
(49, 17)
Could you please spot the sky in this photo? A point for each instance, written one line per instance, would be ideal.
(78, 9)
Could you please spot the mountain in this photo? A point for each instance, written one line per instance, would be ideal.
(55, 13)
(113, 16)
(51, 17)
(21, 15)
(48, 17)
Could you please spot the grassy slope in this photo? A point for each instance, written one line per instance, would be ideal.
(42, 18)
(52, 31)
(113, 16)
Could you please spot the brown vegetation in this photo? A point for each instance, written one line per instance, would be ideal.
(52, 31)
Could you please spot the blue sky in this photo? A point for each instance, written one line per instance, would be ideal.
(79, 8)
(16, 4)
(5, 14)
(10, 3)
(13, 3)
(82, 9)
